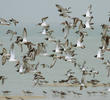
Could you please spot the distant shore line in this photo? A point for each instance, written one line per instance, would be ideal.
(74, 85)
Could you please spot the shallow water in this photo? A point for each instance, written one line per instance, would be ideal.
(16, 82)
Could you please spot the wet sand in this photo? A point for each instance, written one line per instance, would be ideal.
(21, 97)
(76, 85)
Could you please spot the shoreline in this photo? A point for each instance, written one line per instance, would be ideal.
(21, 97)
(74, 85)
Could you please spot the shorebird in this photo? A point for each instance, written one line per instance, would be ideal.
(12, 33)
(44, 31)
(44, 92)
(70, 56)
(105, 42)
(66, 28)
(27, 92)
(17, 63)
(105, 29)
(19, 41)
(81, 28)
(83, 68)
(12, 55)
(75, 22)
(2, 78)
(50, 38)
(59, 48)
(53, 63)
(94, 72)
(80, 41)
(6, 92)
(4, 22)
(55, 93)
(44, 52)
(21, 69)
(36, 66)
(93, 81)
(56, 56)
(45, 65)
(82, 83)
(88, 13)
(4, 51)
(24, 35)
(66, 44)
(15, 22)
(69, 73)
(64, 15)
(41, 49)
(63, 11)
(37, 78)
(25, 67)
(88, 23)
(5, 55)
(100, 54)
(43, 23)
(82, 86)
(62, 94)
(30, 46)
(4, 58)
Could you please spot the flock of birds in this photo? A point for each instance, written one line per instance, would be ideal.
(64, 51)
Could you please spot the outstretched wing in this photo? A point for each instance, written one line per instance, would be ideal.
(12, 46)
(59, 6)
(4, 60)
(25, 33)
(4, 51)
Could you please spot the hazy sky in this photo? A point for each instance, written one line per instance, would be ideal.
(33, 10)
